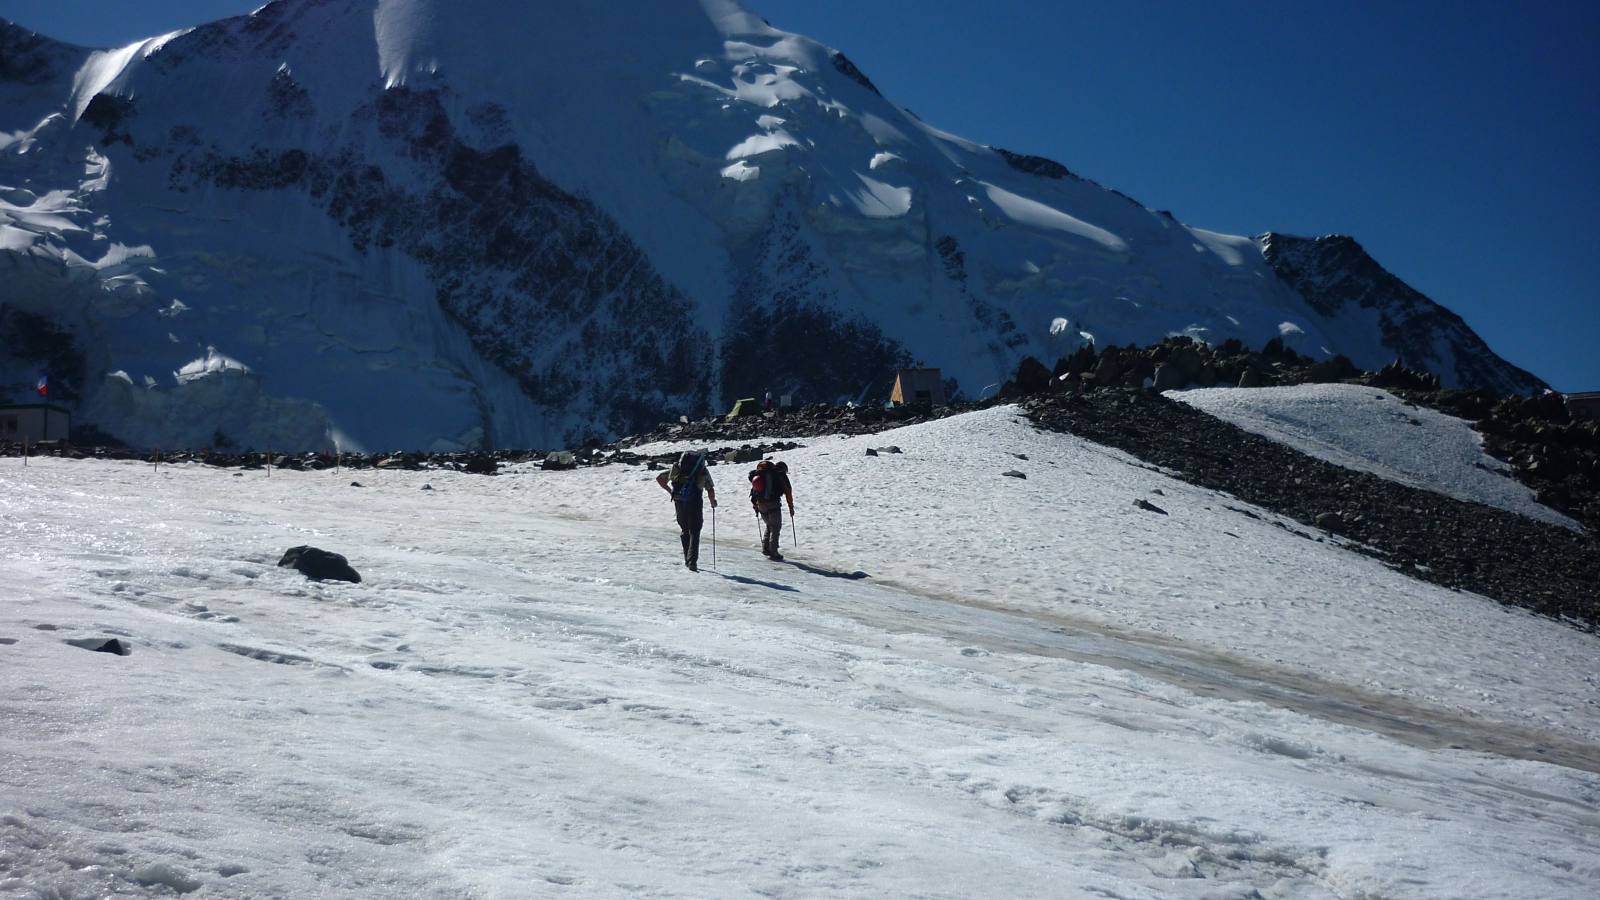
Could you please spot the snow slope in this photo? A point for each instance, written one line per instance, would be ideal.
(1374, 431)
(1040, 692)
(528, 223)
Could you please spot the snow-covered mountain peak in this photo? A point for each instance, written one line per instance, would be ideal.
(444, 225)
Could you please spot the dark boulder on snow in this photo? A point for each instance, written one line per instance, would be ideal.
(1147, 506)
(319, 565)
(481, 465)
(1015, 474)
(103, 645)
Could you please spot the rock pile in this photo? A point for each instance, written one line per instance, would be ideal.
(1550, 451)
(1555, 455)
(1469, 546)
(1180, 362)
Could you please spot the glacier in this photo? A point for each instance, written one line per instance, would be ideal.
(430, 225)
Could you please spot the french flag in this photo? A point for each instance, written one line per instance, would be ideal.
(44, 385)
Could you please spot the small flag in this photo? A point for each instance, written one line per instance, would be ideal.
(44, 385)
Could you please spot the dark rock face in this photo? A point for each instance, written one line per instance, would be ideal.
(1331, 273)
(848, 69)
(31, 59)
(319, 565)
(1035, 165)
(786, 331)
(30, 344)
(547, 285)
(1501, 555)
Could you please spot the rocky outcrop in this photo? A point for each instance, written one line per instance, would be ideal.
(1506, 557)
(1334, 274)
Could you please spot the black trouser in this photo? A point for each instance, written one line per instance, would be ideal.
(772, 517)
(691, 517)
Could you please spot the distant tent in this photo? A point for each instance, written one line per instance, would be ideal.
(745, 407)
(918, 386)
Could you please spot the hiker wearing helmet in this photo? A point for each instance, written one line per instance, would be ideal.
(769, 487)
(684, 481)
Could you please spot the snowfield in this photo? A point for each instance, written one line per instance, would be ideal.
(1040, 691)
(1374, 431)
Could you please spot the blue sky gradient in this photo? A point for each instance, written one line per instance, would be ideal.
(1458, 141)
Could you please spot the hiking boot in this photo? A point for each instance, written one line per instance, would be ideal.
(775, 556)
(692, 567)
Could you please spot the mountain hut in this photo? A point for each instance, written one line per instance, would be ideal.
(918, 385)
(1584, 406)
(34, 421)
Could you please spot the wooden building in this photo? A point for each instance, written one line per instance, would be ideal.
(1583, 406)
(918, 385)
(34, 421)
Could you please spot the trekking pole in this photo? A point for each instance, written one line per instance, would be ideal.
(713, 538)
(24, 451)
(794, 530)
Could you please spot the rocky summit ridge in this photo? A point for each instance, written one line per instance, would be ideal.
(456, 227)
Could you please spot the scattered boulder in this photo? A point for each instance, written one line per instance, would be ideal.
(8, 641)
(427, 487)
(1147, 506)
(1169, 378)
(481, 465)
(560, 461)
(319, 565)
(355, 484)
(1032, 377)
(871, 452)
(743, 455)
(889, 449)
(1330, 370)
(1015, 474)
(103, 645)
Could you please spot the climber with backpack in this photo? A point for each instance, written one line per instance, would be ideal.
(769, 487)
(684, 481)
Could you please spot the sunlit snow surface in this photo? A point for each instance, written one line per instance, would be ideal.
(1041, 692)
(1374, 431)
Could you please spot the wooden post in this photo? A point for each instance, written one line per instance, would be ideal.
(24, 451)
(269, 460)
(157, 466)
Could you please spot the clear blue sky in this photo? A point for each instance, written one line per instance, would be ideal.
(1458, 141)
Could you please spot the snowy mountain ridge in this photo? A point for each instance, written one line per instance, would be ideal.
(412, 223)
